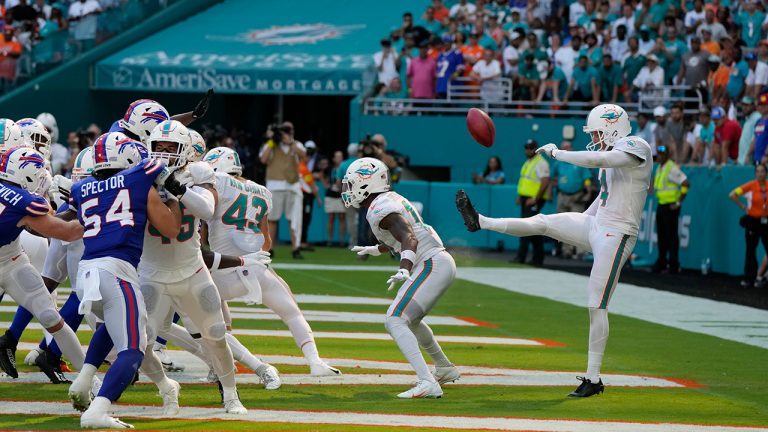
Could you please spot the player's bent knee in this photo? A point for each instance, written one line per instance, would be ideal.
(151, 297)
(217, 331)
(393, 322)
(49, 318)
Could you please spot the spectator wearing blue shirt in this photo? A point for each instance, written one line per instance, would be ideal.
(450, 65)
(572, 184)
(761, 129)
(493, 173)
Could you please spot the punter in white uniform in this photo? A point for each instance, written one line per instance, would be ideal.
(426, 270)
(239, 227)
(608, 228)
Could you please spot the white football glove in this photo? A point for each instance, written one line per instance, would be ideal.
(183, 177)
(60, 185)
(402, 275)
(548, 149)
(367, 250)
(260, 257)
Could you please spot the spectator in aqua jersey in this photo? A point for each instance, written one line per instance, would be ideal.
(739, 72)
(610, 79)
(528, 78)
(673, 50)
(554, 85)
(534, 48)
(493, 173)
(429, 22)
(450, 65)
(583, 86)
(751, 21)
(632, 64)
(593, 52)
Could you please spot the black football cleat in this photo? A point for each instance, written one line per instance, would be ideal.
(587, 388)
(8, 354)
(467, 210)
(50, 365)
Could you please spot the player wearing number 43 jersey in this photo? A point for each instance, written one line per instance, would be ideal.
(608, 228)
(239, 226)
(426, 270)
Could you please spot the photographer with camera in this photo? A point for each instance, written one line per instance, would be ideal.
(281, 154)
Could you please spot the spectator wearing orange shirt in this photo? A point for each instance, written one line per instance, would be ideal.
(441, 12)
(707, 43)
(10, 50)
(755, 221)
(717, 81)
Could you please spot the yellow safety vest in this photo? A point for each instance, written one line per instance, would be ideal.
(529, 183)
(667, 192)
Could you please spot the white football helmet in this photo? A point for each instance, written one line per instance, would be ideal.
(196, 149)
(224, 159)
(11, 136)
(610, 122)
(114, 150)
(170, 131)
(25, 167)
(363, 177)
(83, 165)
(37, 134)
(142, 116)
(49, 121)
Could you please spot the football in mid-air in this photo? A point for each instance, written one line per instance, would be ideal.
(481, 127)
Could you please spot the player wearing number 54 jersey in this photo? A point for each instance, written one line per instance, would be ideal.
(426, 270)
(608, 228)
(114, 206)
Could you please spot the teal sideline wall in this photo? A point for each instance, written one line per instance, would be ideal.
(66, 91)
(708, 222)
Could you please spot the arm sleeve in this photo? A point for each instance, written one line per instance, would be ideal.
(199, 201)
(593, 159)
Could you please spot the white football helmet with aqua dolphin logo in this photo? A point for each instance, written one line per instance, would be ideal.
(364, 177)
(610, 122)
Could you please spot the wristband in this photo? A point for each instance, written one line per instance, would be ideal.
(216, 261)
(408, 255)
(684, 190)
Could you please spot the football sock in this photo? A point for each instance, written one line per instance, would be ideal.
(598, 338)
(514, 226)
(302, 335)
(70, 346)
(20, 322)
(121, 373)
(241, 353)
(223, 364)
(99, 347)
(71, 316)
(409, 346)
(426, 340)
(87, 373)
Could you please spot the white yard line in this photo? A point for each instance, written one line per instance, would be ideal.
(369, 419)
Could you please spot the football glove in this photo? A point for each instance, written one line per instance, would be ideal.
(260, 257)
(402, 275)
(174, 185)
(61, 185)
(202, 107)
(367, 250)
(548, 149)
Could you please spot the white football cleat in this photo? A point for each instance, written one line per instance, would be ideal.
(269, 377)
(102, 421)
(80, 393)
(171, 399)
(322, 369)
(29, 360)
(168, 364)
(234, 406)
(423, 389)
(446, 374)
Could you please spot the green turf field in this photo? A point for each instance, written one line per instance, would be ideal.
(731, 378)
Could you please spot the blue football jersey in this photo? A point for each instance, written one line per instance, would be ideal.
(15, 203)
(113, 212)
(116, 127)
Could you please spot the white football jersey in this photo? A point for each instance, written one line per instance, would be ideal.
(392, 202)
(623, 190)
(234, 229)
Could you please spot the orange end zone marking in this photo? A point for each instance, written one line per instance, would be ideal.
(685, 383)
(476, 321)
(550, 343)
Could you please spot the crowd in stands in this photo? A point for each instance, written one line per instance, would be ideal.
(714, 52)
(40, 34)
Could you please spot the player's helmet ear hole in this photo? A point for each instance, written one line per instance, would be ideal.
(363, 186)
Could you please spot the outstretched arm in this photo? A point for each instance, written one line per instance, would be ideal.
(593, 159)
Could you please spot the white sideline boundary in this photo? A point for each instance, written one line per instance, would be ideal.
(370, 419)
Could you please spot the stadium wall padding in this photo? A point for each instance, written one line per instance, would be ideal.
(708, 222)
(66, 90)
